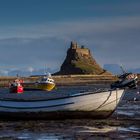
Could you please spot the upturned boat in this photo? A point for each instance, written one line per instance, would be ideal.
(93, 104)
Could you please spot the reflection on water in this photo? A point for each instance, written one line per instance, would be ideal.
(130, 129)
(123, 124)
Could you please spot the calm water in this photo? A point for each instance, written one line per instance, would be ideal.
(123, 124)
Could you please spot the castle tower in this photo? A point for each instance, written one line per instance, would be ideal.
(73, 45)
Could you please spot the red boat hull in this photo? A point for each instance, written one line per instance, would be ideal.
(16, 89)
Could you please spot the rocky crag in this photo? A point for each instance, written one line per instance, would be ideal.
(79, 60)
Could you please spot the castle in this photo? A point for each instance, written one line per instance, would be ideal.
(81, 50)
(79, 60)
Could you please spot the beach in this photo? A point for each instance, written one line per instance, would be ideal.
(123, 124)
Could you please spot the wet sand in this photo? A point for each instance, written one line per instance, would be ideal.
(123, 124)
(71, 129)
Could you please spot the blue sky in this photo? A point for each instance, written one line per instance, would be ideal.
(34, 33)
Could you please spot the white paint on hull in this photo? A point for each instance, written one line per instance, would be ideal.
(103, 101)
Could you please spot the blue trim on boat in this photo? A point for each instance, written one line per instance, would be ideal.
(36, 107)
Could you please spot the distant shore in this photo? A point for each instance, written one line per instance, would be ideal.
(84, 79)
(68, 79)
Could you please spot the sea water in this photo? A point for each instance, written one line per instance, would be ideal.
(123, 124)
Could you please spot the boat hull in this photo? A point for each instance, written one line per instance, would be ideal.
(16, 89)
(39, 86)
(55, 115)
(81, 105)
(48, 86)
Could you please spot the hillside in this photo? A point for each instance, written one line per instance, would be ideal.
(79, 60)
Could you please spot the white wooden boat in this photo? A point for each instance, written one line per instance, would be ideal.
(81, 105)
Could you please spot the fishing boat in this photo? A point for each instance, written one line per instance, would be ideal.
(44, 83)
(127, 79)
(16, 87)
(92, 104)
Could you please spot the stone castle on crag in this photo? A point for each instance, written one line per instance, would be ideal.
(79, 60)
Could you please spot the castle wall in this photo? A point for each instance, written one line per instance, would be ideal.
(82, 51)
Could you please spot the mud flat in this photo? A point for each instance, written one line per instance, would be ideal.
(124, 124)
(70, 130)
(115, 127)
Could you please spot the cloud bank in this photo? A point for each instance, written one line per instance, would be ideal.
(112, 40)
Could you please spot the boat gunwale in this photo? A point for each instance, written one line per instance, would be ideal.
(58, 98)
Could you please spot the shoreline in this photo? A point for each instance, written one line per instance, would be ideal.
(66, 80)
(83, 79)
